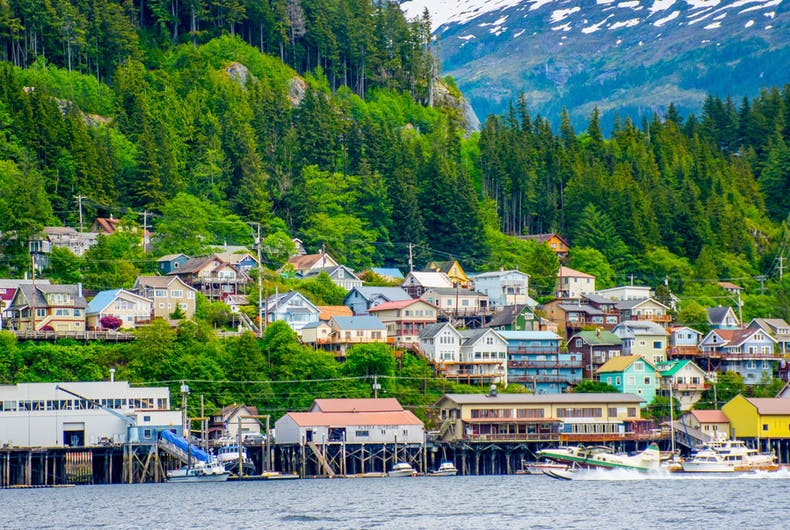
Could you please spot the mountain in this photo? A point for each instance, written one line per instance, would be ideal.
(629, 57)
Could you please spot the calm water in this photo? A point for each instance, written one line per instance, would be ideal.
(409, 503)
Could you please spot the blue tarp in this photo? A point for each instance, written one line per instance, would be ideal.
(182, 444)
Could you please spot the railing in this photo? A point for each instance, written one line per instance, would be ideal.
(653, 318)
(545, 364)
(739, 356)
(691, 351)
(519, 437)
(688, 387)
(109, 335)
(542, 378)
(578, 324)
(533, 350)
(612, 436)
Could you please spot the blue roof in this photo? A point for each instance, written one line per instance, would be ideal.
(388, 271)
(101, 300)
(529, 335)
(360, 322)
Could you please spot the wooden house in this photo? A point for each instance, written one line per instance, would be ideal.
(340, 275)
(453, 270)
(684, 380)
(456, 301)
(761, 420)
(749, 352)
(42, 306)
(361, 299)
(683, 342)
(167, 293)
(644, 338)
(631, 374)
(722, 318)
(558, 244)
(171, 262)
(645, 309)
(713, 423)
(232, 420)
(306, 262)
(504, 288)
(212, 276)
(573, 284)
(626, 292)
(416, 283)
(536, 360)
(405, 319)
(292, 308)
(595, 348)
(132, 309)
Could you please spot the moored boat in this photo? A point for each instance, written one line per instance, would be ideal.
(729, 456)
(402, 469)
(604, 457)
(228, 456)
(211, 472)
(446, 469)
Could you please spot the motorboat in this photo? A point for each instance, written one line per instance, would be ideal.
(402, 469)
(446, 469)
(729, 456)
(540, 468)
(200, 472)
(604, 457)
(228, 456)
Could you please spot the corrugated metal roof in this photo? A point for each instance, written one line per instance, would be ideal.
(360, 322)
(529, 335)
(598, 338)
(771, 406)
(710, 416)
(356, 405)
(345, 419)
(526, 399)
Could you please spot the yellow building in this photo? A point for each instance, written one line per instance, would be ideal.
(759, 418)
(453, 270)
(493, 417)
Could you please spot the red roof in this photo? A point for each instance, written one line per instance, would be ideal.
(356, 405)
(345, 419)
(710, 416)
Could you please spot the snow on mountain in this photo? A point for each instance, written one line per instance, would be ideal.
(446, 11)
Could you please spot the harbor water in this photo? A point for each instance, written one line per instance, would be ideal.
(609, 500)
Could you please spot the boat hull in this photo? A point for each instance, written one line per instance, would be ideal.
(193, 477)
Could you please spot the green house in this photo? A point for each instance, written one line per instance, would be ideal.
(631, 374)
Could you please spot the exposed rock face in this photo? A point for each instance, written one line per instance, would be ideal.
(443, 95)
(296, 91)
(239, 73)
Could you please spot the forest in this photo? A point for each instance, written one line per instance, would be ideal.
(328, 120)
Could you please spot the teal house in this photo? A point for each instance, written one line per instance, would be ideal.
(631, 374)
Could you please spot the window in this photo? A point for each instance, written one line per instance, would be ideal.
(61, 312)
(362, 434)
(579, 343)
(647, 380)
(617, 381)
(41, 312)
(631, 380)
(160, 293)
(177, 293)
(77, 312)
(612, 412)
(657, 345)
(639, 367)
(631, 412)
(765, 426)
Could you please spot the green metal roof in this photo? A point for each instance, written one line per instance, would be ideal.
(599, 338)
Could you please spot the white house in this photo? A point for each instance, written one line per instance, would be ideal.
(417, 283)
(361, 299)
(626, 292)
(293, 308)
(574, 284)
(42, 415)
(441, 342)
(130, 308)
(504, 288)
(457, 301)
(483, 356)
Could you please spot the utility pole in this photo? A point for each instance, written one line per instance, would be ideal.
(33, 292)
(79, 202)
(411, 258)
(781, 259)
(261, 322)
(184, 417)
(376, 387)
(145, 231)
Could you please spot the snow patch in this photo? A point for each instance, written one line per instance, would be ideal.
(539, 3)
(661, 5)
(625, 23)
(467, 37)
(714, 25)
(661, 21)
(632, 3)
(518, 34)
(564, 27)
(702, 4)
(447, 11)
(561, 14)
(498, 22)
(595, 27)
(749, 24)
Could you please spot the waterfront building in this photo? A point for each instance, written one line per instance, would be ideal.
(763, 422)
(595, 347)
(356, 421)
(41, 415)
(714, 423)
(535, 360)
(631, 374)
(555, 418)
(232, 420)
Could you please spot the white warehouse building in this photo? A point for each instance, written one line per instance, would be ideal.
(43, 415)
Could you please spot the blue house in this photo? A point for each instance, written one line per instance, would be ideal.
(631, 374)
(361, 299)
(167, 264)
(293, 308)
(749, 352)
(535, 359)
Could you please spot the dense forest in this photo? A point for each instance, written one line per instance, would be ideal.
(327, 120)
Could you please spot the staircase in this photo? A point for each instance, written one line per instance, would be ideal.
(328, 471)
(247, 322)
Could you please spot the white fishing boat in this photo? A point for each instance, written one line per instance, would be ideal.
(729, 456)
(604, 457)
(200, 472)
(402, 469)
(228, 456)
(446, 469)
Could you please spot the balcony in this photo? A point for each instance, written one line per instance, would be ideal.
(607, 437)
(661, 319)
(683, 351)
(584, 323)
(545, 364)
(687, 387)
(544, 378)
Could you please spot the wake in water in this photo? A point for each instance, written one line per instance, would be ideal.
(626, 474)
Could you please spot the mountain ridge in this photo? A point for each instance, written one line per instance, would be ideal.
(619, 56)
